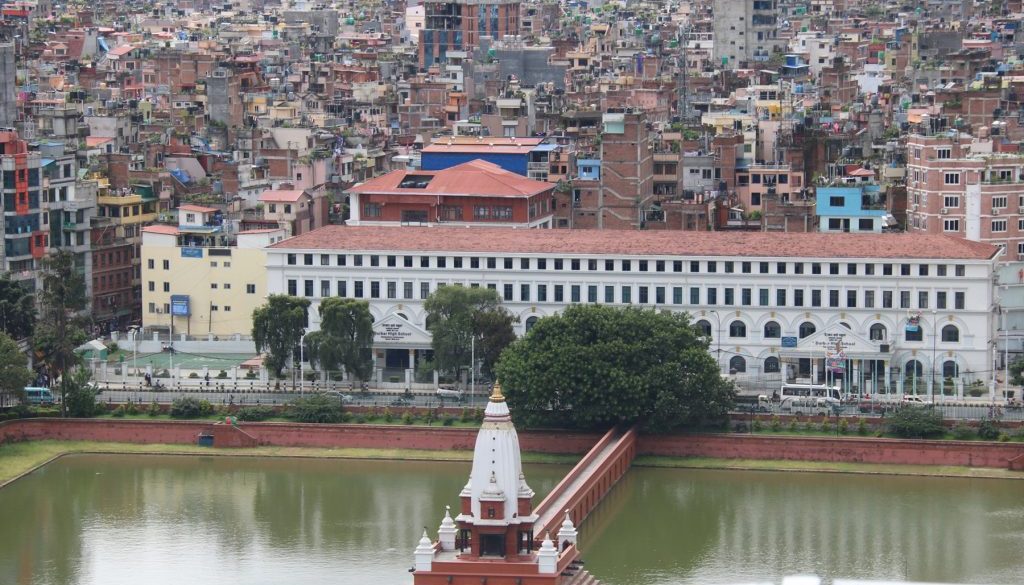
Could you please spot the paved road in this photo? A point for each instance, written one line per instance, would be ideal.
(977, 411)
(147, 396)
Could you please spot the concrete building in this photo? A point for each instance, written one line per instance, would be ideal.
(474, 193)
(963, 186)
(860, 208)
(204, 277)
(458, 25)
(746, 32)
(25, 236)
(908, 311)
(8, 81)
(295, 210)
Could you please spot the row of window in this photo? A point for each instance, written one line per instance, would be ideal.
(593, 265)
(151, 264)
(913, 369)
(249, 288)
(167, 308)
(658, 295)
(877, 332)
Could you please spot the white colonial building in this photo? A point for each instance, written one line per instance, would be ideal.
(893, 313)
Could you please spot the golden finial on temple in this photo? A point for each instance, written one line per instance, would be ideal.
(496, 395)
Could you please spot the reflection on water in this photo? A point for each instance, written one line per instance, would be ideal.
(111, 520)
(706, 526)
(104, 519)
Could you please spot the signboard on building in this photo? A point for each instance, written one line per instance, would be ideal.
(789, 341)
(180, 306)
(191, 252)
(392, 331)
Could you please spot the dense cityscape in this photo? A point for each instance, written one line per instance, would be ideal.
(773, 235)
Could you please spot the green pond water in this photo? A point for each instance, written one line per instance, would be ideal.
(170, 520)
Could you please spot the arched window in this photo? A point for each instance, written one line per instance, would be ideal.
(530, 322)
(877, 332)
(771, 365)
(737, 365)
(912, 368)
(807, 328)
(950, 334)
(772, 330)
(737, 329)
(950, 369)
(704, 328)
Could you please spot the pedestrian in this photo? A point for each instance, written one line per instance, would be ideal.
(207, 378)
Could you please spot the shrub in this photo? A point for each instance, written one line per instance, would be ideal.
(130, 408)
(862, 428)
(912, 422)
(205, 408)
(826, 427)
(962, 432)
(222, 375)
(1003, 437)
(844, 426)
(808, 426)
(360, 419)
(756, 425)
(254, 413)
(408, 419)
(775, 425)
(478, 415)
(792, 426)
(448, 421)
(388, 416)
(251, 375)
(119, 411)
(187, 407)
(154, 409)
(465, 416)
(317, 408)
(194, 375)
(975, 392)
(988, 430)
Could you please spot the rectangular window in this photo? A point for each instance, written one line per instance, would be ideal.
(961, 270)
(626, 265)
(609, 265)
(341, 259)
(558, 264)
(152, 286)
(780, 297)
(150, 264)
(729, 299)
(922, 270)
(815, 268)
(677, 266)
(307, 259)
(524, 263)
(833, 298)
(694, 266)
(762, 296)
(325, 260)
(307, 288)
(357, 289)
(492, 263)
(642, 265)
(833, 268)
(392, 290)
(407, 290)
(342, 288)
(904, 299)
(798, 268)
(780, 267)
(643, 298)
(958, 301)
(574, 293)
(952, 178)
(694, 295)
(869, 269)
(851, 269)
(250, 289)
(524, 292)
(167, 264)
(325, 288)
(887, 269)
(374, 260)
(592, 265)
(506, 292)
(886, 299)
(677, 295)
(291, 259)
(712, 266)
(729, 267)
(659, 265)
(442, 261)
(745, 267)
(357, 260)
(998, 225)
(542, 293)
(474, 263)
(904, 269)
(424, 261)
(627, 294)
(609, 294)
(815, 298)
(424, 290)
(374, 289)
(293, 289)
(745, 299)
(940, 300)
(999, 202)
(712, 296)
(798, 297)
(763, 268)
(559, 293)
(951, 201)
(542, 263)
(851, 299)
(592, 293)
(922, 300)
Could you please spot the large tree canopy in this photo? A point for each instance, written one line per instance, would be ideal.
(17, 309)
(277, 328)
(595, 366)
(345, 337)
(14, 372)
(456, 315)
(62, 324)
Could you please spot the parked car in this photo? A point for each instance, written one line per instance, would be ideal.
(877, 406)
(344, 398)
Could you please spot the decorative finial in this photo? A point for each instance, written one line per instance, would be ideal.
(496, 395)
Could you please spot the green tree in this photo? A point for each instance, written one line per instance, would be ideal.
(318, 408)
(277, 328)
(455, 315)
(916, 422)
(14, 372)
(595, 366)
(79, 393)
(345, 337)
(62, 324)
(17, 309)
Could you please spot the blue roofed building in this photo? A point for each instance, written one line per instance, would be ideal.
(529, 157)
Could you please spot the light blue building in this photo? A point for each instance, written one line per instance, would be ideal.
(859, 208)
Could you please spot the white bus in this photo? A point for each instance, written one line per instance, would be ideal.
(811, 391)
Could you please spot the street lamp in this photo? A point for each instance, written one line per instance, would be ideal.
(302, 378)
(935, 327)
(718, 339)
(134, 330)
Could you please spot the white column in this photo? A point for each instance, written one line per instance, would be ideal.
(424, 554)
(547, 557)
(568, 532)
(446, 533)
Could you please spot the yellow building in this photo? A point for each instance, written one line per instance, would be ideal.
(205, 278)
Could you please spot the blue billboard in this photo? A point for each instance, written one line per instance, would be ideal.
(180, 306)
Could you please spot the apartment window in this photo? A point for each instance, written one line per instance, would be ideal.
(886, 299)
(833, 298)
(150, 264)
(424, 261)
(357, 289)
(851, 299)
(922, 300)
(342, 288)
(167, 264)
(559, 265)
(524, 292)
(798, 268)
(729, 267)
(506, 292)
(307, 288)
(869, 269)
(815, 298)
(627, 294)
(677, 266)
(542, 293)
(592, 293)
(869, 299)
(961, 270)
(712, 296)
(815, 268)
(763, 268)
(780, 297)
(745, 295)
(712, 266)
(374, 260)
(424, 290)
(952, 178)
(940, 270)
(998, 225)
(407, 290)
(940, 300)
(357, 260)
(152, 307)
(762, 297)
(904, 269)
(592, 265)
(492, 263)
(167, 287)
(951, 225)
(559, 293)
(694, 266)
(374, 289)
(780, 267)
(677, 295)
(904, 299)
(325, 288)
(474, 263)
(798, 297)
(307, 259)
(958, 301)
(643, 265)
(609, 294)
(694, 295)
(250, 289)
(152, 286)
(626, 265)
(999, 202)
(951, 201)
(392, 290)
(659, 266)
(887, 269)
(609, 265)
(729, 298)
(942, 153)
(644, 299)
(292, 287)
(833, 268)
(442, 261)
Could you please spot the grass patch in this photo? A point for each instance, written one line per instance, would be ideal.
(18, 458)
(825, 467)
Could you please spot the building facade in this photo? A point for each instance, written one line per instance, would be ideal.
(746, 32)
(911, 315)
(207, 280)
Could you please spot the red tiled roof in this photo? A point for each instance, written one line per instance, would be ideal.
(197, 208)
(285, 195)
(120, 51)
(169, 230)
(474, 178)
(643, 243)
